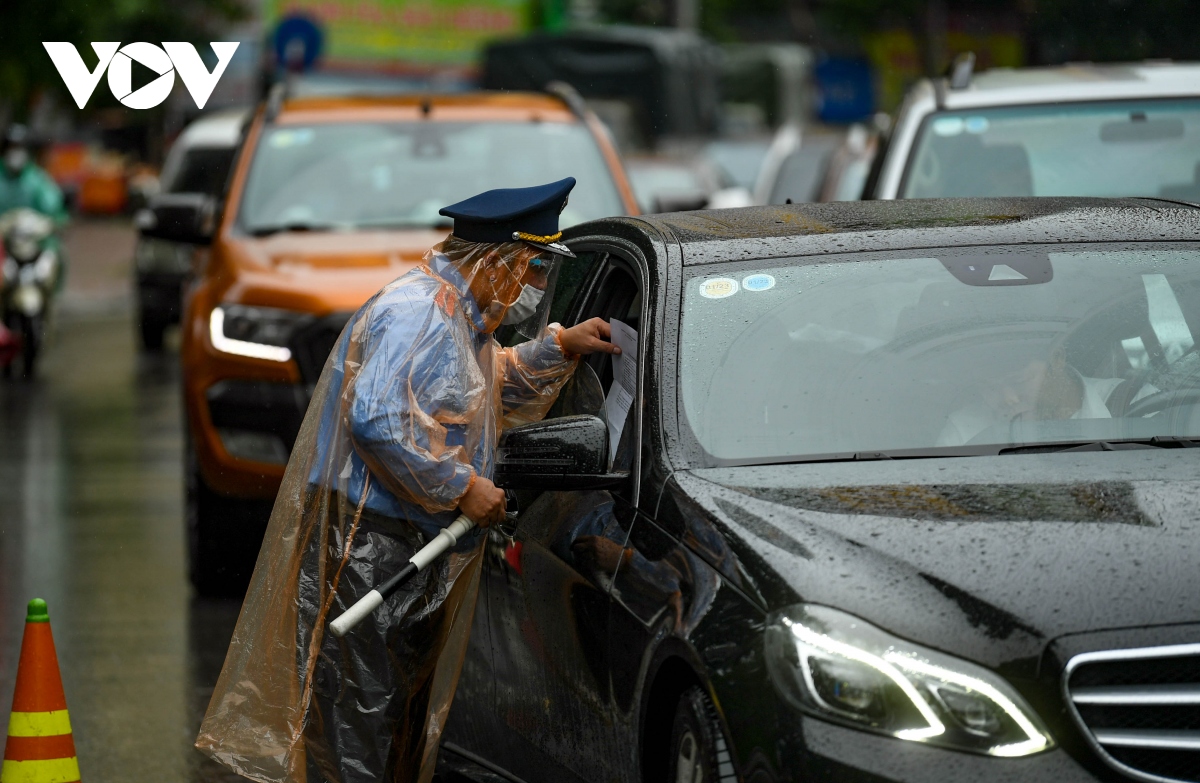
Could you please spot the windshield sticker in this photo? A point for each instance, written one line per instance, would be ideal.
(718, 288)
(976, 124)
(296, 137)
(948, 126)
(759, 282)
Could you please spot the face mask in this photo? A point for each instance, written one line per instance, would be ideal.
(15, 159)
(525, 306)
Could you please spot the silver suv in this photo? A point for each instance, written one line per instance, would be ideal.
(1071, 130)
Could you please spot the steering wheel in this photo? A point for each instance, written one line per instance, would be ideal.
(1160, 401)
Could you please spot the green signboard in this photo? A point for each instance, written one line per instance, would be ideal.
(382, 33)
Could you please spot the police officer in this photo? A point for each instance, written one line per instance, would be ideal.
(400, 438)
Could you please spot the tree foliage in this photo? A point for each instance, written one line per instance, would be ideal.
(1113, 30)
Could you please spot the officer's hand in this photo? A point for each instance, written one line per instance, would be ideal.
(484, 503)
(591, 336)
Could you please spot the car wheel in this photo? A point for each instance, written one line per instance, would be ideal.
(223, 537)
(152, 330)
(698, 753)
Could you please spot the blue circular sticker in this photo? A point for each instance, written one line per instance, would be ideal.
(759, 282)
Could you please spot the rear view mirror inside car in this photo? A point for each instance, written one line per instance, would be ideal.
(1140, 129)
(1000, 269)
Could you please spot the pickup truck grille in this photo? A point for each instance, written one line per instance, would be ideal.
(1140, 709)
(312, 344)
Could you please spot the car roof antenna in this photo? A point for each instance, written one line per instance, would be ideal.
(961, 71)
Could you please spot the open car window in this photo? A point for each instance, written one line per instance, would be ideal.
(614, 295)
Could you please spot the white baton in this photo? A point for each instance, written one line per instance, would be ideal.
(447, 538)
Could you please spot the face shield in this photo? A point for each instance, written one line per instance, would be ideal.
(512, 283)
(529, 315)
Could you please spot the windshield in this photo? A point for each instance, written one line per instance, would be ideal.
(349, 176)
(202, 170)
(1120, 148)
(652, 182)
(946, 352)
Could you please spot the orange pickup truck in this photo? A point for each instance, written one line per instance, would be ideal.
(329, 200)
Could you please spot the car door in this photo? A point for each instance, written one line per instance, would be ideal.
(548, 587)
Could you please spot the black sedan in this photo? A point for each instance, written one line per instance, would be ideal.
(888, 491)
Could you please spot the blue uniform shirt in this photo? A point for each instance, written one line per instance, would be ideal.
(421, 389)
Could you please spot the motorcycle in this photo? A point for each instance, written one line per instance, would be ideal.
(30, 276)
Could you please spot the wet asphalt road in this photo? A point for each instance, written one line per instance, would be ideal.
(91, 519)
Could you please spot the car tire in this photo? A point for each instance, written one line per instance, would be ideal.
(224, 535)
(152, 330)
(698, 752)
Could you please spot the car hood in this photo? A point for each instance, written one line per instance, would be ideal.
(336, 270)
(987, 557)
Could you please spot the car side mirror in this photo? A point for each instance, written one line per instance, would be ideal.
(178, 217)
(560, 454)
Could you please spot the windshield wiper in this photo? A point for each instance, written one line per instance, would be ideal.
(990, 450)
(869, 456)
(1116, 444)
(263, 231)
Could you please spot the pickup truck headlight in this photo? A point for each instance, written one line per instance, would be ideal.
(836, 666)
(258, 332)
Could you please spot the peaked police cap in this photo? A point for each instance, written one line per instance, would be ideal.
(511, 214)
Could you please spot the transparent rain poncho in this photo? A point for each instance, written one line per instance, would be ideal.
(407, 413)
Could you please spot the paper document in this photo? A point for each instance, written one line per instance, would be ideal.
(624, 385)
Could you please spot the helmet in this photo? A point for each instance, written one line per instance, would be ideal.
(17, 135)
(16, 153)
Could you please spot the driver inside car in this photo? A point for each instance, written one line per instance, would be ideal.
(1042, 390)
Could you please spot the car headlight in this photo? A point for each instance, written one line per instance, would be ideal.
(258, 332)
(837, 666)
(25, 248)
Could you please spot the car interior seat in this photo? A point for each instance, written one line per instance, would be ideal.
(971, 168)
(1189, 191)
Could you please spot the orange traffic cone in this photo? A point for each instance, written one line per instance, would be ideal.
(40, 747)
